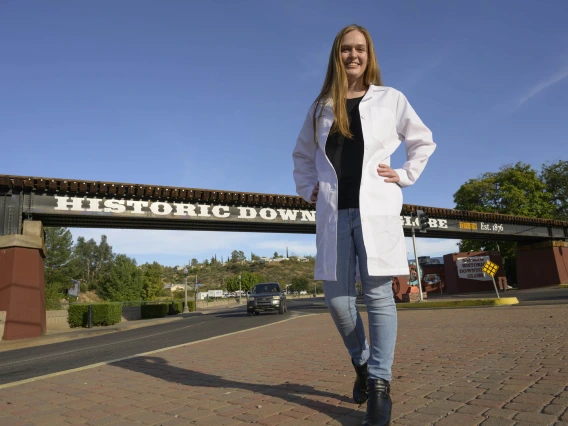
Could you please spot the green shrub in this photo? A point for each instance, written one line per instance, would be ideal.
(77, 315)
(178, 306)
(103, 314)
(158, 310)
(107, 313)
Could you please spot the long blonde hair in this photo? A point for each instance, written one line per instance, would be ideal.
(335, 83)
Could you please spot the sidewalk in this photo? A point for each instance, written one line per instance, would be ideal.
(467, 367)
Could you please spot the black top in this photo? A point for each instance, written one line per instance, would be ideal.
(346, 156)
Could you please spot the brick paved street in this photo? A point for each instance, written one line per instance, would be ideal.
(487, 366)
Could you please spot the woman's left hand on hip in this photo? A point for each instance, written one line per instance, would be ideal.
(386, 172)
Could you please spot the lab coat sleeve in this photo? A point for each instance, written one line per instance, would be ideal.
(304, 156)
(418, 140)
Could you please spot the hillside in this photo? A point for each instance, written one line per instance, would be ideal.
(214, 276)
(89, 296)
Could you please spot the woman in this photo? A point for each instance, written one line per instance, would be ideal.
(342, 163)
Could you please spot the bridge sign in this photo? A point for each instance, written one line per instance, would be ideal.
(75, 203)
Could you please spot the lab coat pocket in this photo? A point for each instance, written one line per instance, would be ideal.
(382, 123)
(383, 197)
(387, 240)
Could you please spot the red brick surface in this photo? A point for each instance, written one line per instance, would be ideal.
(490, 366)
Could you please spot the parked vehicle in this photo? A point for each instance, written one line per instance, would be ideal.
(215, 294)
(266, 297)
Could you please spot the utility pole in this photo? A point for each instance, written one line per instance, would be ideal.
(417, 265)
(185, 307)
(240, 291)
(195, 294)
(422, 222)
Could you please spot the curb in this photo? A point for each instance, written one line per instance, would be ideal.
(563, 285)
(468, 303)
(504, 301)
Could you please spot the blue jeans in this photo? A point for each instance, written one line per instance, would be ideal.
(340, 297)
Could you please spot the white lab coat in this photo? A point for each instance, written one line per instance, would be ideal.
(386, 120)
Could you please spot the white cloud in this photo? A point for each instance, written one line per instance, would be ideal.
(301, 247)
(433, 247)
(170, 247)
(135, 242)
(543, 85)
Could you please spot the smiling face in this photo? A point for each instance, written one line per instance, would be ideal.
(354, 55)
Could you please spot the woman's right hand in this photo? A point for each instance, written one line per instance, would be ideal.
(314, 196)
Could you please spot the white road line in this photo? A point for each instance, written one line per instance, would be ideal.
(99, 364)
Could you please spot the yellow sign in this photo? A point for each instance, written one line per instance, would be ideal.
(468, 225)
(490, 268)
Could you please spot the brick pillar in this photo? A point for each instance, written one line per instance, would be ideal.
(542, 264)
(22, 292)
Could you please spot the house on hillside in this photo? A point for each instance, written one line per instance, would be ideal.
(174, 287)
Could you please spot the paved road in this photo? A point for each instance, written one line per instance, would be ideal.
(24, 363)
(548, 296)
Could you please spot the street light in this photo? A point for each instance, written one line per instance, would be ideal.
(185, 308)
(240, 291)
(195, 294)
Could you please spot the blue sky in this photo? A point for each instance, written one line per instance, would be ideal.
(213, 95)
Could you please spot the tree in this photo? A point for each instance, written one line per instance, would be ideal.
(84, 258)
(555, 177)
(248, 281)
(103, 257)
(513, 190)
(152, 280)
(238, 256)
(254, 257)
(91, 260)
(194, 262)
(58, 267)
(300, 283)
(276, 255)
(123, 281)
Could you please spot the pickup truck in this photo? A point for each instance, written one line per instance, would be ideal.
(266, 297)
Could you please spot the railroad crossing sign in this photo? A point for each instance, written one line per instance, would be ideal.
(490, 268)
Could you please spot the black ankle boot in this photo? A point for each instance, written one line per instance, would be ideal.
(379, 405)
(360, 386)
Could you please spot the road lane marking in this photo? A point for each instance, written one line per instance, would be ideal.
(100, 364)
